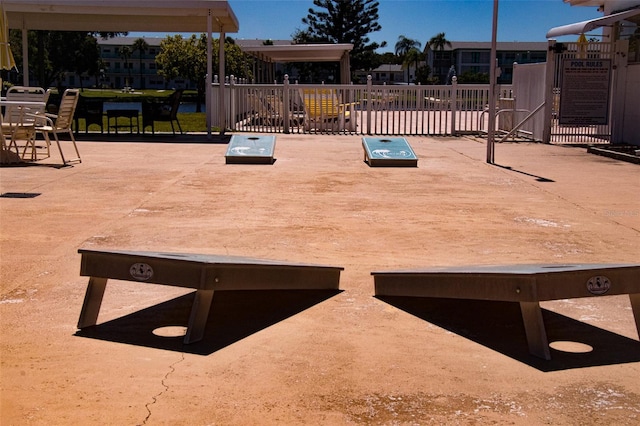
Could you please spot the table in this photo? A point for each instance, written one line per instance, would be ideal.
(525, 284)
(26, 129)
(129, 110)
(204, 273)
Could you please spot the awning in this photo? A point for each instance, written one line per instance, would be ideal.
(299, 52)
(303, 53)
(586, 26)
(120, 15)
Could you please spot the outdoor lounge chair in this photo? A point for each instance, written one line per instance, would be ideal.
(162, 111)
(262, 112)
(324, 111)
(60, 123)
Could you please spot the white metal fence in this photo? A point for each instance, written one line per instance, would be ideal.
(356, 109)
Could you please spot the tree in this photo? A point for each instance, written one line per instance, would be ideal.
(405, 45)
(413, 56)
(52, 53)
(87, 58)
(423, 75)
(346, 21)
(187, 58)
(439, 42)
(141, 46)
(125, 53)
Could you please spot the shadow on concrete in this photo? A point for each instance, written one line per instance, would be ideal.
(538, 178)
(197, 138)
(498, 326)
(234, 315)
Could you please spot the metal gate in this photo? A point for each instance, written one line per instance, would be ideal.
(580, 134)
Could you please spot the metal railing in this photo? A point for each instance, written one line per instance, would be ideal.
(355, 109)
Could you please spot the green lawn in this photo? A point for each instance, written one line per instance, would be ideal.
(190, 122)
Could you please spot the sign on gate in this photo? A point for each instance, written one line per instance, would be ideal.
(585, 91)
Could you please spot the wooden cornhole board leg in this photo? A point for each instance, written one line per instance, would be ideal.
(634, 298)
(534, 329)
(198, 317)
(92, 301)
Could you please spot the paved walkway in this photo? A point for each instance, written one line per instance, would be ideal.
(333, 359)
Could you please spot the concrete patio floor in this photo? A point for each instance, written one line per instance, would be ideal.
(317, 358)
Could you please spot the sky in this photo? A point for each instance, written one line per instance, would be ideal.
(460, 20)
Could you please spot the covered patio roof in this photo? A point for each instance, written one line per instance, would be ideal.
(301, 53)
(189, 16)
(120, 15)
(590, 25)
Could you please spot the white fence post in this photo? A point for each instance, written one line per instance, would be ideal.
(453, 101)
(548, 92)
(232, 101)
(286, 106)
(369, 95)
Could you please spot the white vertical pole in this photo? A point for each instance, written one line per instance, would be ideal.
(492, 88)
(25, 58)
(221, 101)
(549, 78)
(209, 79)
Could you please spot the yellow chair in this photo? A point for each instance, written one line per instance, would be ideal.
(323, 111)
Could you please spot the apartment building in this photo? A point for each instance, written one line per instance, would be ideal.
(136, 70)
(474, 56)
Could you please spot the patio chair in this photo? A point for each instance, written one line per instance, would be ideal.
(90, 111)
(162, 111)
(18, 121)
(60, 123)
(262, 113)
(276, 103)
(324, 111)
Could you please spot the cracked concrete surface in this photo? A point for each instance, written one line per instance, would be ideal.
(345, 358)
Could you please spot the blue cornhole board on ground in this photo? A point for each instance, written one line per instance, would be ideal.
(392, 152)
(251, 149)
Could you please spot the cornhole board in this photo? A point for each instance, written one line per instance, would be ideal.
(205, 273)
(526, 284)
(391, 152)
(250, 149)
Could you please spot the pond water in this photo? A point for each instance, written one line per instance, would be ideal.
(191, 107)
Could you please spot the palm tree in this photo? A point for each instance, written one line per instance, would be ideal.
(438, 42)
(403, 46)
(125, 54)
(141, 46)
(413, 56)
